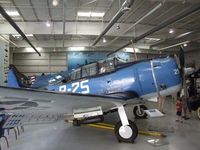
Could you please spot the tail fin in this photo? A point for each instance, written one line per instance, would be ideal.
(12, 79)
(16, 79)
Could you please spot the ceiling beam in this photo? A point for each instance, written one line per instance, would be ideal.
(109, 8)
(161, 26)
(60, 49)
(82, 28)
(174, 38)
(138, 21)
(49, 10)
(124, 8)
(13, 2)
(64, 18)
(34, 11)
(8, 40)
(16, 27)
(59, 43)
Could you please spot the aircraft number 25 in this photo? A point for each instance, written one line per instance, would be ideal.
(83, 86)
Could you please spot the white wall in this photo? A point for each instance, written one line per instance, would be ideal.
(193, 57)
(52, 62)
(32, 64)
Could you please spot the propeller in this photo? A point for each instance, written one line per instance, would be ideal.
(181, 56)
(181, 63)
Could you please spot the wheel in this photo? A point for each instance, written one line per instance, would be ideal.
(126, 133)
(198, 112)
(139, 115)
(76, 122)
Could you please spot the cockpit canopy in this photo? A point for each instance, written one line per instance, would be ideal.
(96, 68)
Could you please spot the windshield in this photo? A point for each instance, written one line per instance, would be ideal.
(101, 67)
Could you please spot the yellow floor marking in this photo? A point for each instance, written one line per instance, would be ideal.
(112, 127)
(99, 126)
(105, 124)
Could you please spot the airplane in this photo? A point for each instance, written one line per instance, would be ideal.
(88, 97)
(90, 92)
(110, 77)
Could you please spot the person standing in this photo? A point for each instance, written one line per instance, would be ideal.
(184, 97)
(161, 101)
(179, 107)
(174, 97)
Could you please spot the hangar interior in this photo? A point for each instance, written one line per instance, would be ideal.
(60, 29)
(43, 24)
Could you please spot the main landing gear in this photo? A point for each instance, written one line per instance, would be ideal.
(125, 130)
(139, 112)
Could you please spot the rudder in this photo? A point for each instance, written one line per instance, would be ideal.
(12, 79)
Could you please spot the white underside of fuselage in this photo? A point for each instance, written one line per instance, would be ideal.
(168, 91)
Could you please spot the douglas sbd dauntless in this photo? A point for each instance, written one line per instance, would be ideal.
(87, 93)
(90, 92)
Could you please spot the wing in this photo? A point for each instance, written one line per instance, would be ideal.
(28, 106)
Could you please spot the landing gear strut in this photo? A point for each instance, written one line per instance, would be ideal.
(139, 112)
(125, 130)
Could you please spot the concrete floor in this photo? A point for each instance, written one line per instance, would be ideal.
(62, 136)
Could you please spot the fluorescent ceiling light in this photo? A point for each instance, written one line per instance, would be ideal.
(152, 39)
(171, 31)
(84, 14)
(55, 2)
(30, 49)
(12, 13)
(18, 35)
(5, 2)
(48, 24)
(90, 14)
(76, 48)
(129, 49)
(104, 40)
(97, 14)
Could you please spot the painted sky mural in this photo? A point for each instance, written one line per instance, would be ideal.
(76, 59)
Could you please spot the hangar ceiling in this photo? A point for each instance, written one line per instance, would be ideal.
(82, 31)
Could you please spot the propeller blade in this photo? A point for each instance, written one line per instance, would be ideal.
(182, 71)
(181, 57)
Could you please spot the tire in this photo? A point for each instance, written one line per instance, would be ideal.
(198, 112)
(76, 122)
(126, 137)
(136, 113)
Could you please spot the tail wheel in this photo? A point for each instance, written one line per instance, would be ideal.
(140, 114)
(126, 133)
(198, 112)
(76, 122)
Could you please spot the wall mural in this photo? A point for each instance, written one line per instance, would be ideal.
(76, 59)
